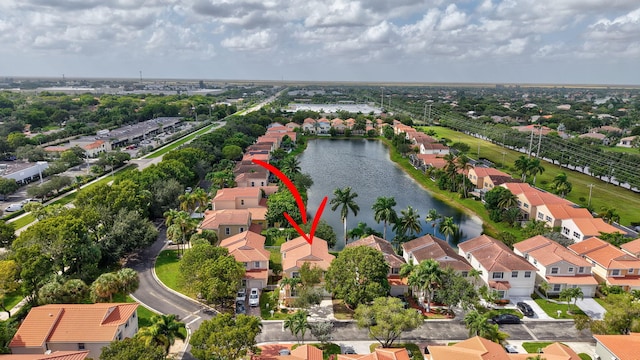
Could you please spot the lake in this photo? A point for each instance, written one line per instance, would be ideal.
(365, 166)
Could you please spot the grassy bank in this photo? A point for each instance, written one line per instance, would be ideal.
(168, 270)
(178, 143)
(604, 194)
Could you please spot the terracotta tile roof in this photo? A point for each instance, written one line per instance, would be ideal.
(251, 157)
(258, 214)
(624, 347)
(214, 218)
(380, 354)
(72, 323)
(56, 355)
(307, 352)
(475, 348)
(292, 125)
(494, 255)
(236, 192)
(555, 351)
(381, 245)
(298, 251)
(429, 247)
(565, 211)
(632, 247)
(94, 145)
(573, 280)
(433, 160)
(486, 171)
(499, 285)
(246, 247)
(534, 196)
(593, 226)
(548, 252)
(605, 254)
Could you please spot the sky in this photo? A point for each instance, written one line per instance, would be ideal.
(474, 41)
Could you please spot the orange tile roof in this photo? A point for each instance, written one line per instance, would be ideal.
(632, 281)
(605, 254)
(475, 348)
(632, 247)
(624, 347)
(307, 352)
(236, 192)
(486, 171)
(94, 145)
(494, 255)
(573, 280)
(214, 218)
(429, 247)
(593, 226)
(246, 247)
(382, 245)
(548, 252)
(56, 355)
(72, 323)
(298, 251)
(379, 354)
(566, 211)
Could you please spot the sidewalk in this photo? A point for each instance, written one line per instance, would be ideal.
(15, 309)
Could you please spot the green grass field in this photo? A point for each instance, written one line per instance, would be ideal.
(552, 309)
(533, 347)
(604, 194)
(12, 299)
(168, 270)
(177, 143)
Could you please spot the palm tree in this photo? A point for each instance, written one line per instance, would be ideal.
(462, 163)
(104, 287)
(164, 331)
(433, 216)
(561, 184)
(297, 324)
(199, 198)
(290, 166)
(475, 274)
(609, 215)
(344, 199)
(128, 280)
(507, 200)
(187, 202)
(522, 166)
(476, 323)
(544, 287)
(180, 225)
(383, 211)
(534, 168)
(448, 227)
(428, 275)
(574, 294)
(408, 221)
(451, 169)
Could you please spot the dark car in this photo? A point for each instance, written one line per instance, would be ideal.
(505, 319)
(525, 308)
(240, 308)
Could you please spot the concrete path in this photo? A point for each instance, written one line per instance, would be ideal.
(591, 308)
(324, 311)
(4, 316)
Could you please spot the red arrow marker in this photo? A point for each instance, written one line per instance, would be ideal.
(296, 194)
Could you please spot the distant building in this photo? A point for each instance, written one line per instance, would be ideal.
(22, 172)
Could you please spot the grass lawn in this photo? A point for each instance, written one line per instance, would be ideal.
(604, 194)
(144, 314)
(532, 347)
(602, 302)
(620, 149)
(23, 221)
(180, 142)
(12, 299)
(552, 309)
(584, 356)
(168, 268)
(327, 349)
(495, 312)
(265, 298)
(341, 311)
(275, 255)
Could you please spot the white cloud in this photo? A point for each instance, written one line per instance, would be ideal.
(258, 41)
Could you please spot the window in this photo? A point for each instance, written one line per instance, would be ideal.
(253, 184)
(526, 206)
(126, 325)
(526, 256)
(576, 235)
(464, 274)
(256, 264)
(570, 269)
(519, 203)
(581, 269)
(535, 261)
(514, 274)
(615, 272)
(630, 271)
(497, 275)
(246, 265)
(244, 283)
(554, 270)
(81, 346)
(501, 294)
(241, 229)
(556, 287)
(295, 274)
(566, 231)
(548, 218)
(527, 274)
(241, 202)
(395, 271)
(469, 256)
(227, 231)
(540, 216)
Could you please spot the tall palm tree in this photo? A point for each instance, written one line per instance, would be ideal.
(297, 324)
(433, 216)
(383, 211)
(522, 165)
(448, 227)
(561, 184)
(609, 215)
(451, 169)
(290, 166)
(408, 221)
(180, 225)
(199, 197)
(104, 287)
(507, 200)
(463, 163)
(428, 275)
(534, 168)
(164, 331)
(128, 280)
(345, 200)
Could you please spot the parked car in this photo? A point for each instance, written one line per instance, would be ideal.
(505, 319)
(511, 349)
(254, 298)
(240, 308)
(525, 308)
(284, 352)
(242, 294)
(13, 207)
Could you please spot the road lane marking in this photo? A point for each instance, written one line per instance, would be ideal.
(194, 320)
(530, 332)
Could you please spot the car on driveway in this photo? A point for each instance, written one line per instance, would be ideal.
(505, 319)
(240, 308)
(511, 349)
(242, 294)
(254, 297)
(525, 308)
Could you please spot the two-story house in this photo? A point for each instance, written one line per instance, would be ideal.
(557, 265)
(610, 264)
(248, 248)
(529, 198)
(298, 251)
(74, 327)
(502, 270)
(397, 285)
(554, 214)
(485, 178)
(632, 247)
(429, 247)
(250, 198)
(227, 222)
(617, 347)
(584, 228)
(310, 126)
(478, 348)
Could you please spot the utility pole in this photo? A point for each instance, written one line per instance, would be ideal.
(531, 142)
(539, 142)
(430, 114)
(590, 189)
(503, 154)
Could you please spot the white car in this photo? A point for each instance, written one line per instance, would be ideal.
(242, 294)
(13, 207)
(511, 349)
(254, 298)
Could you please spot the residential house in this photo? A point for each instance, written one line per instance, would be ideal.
(323, 126)
(529, 198)
(433, 148)
(584, 228)
(238, 198)
(502, 270)
(617, 347)
(292, 126)
(309, 126)
(557, 265)
(248, 248)
(303, 352)
(378, 354)
(338, 125)
(627, 141)
(535, 129)
(397, 285)
(435, 161)
(478, 348)
(610, 264)
(632, 247)
(226, 222)
(481, 177)
(554, 214)
(74, 327)
(298, 251)
(430, 247)
(56, 355)
(252, 179)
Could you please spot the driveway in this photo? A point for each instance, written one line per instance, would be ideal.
(591, 308)
(539, 313)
